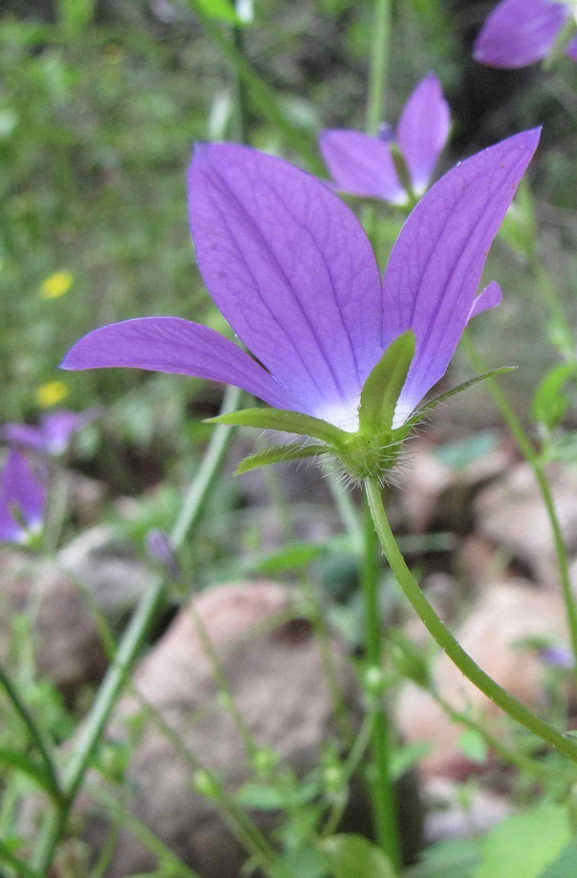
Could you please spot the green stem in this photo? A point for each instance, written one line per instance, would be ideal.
(33, 731)
(199, 490)
(448, 643)
(6, 856)
(382, 789)
(525, 764)
(529, 453)
(88, 740)
(241, 114)
(131, 643)
(379, 64)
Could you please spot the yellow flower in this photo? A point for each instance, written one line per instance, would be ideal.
(51, 393)
(56, 285)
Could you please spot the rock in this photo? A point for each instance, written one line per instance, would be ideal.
(109, 568)
(67, 648)
(85, 497)
(511, 514)
(439, 481)
(274, 670)
(449, 816)
(506, 613)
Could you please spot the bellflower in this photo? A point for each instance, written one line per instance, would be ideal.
(53, 434)
(521, 32)
(341, 357)
(367, 166)
(22, 501)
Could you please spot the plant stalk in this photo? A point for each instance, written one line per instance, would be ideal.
(448, 643)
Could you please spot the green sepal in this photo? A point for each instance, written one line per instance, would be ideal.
(279, 419)
(429, 406)
(382, 388)
(290, 451)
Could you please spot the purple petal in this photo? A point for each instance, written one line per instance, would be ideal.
(20, 486)
(22, 434)
(59, 427)
(491, 297)
(362, 165)
(10, 530)
(170, 344)
(571, 49)
(520, 32)
(423, 131)
(437, 262)
(293, 272)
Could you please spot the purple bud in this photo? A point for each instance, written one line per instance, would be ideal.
(160, 549)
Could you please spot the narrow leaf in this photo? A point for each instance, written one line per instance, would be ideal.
(383, 387)
(278, 419)
(549, 403)
(429, 406)
(352, 856)
(278, 454)
(35, 771)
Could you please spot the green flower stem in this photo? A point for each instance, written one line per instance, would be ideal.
(379, 64)
(262, 96)
(529, 453)
(444, 638)
(200, 486)
(131, 644)
(34, 733)
(539, 770)
(382, 788)
(351, 765)
(241, 114)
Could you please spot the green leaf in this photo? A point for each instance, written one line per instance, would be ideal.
(433, 403)
(278, 419)
(222, 10)
(565, 866)
(75, 15)
(549, 404)
(260, 797)
(524, 845)
(405, 757)
(383, 387)
(278, 454)
(473, 745)
(352, 856)
(290, 557)
(447, 859)
(26, 765)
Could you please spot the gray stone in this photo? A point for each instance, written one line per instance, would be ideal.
(274, 670)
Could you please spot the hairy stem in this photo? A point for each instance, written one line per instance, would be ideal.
(382, 789)
(448, 643)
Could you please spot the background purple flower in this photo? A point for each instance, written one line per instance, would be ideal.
(363, 165)
(54, 432)
(22, 500)
(521, 32)
(291, 269)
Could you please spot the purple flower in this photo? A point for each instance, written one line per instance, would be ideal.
(22, 500)
(363, 165)
(521, 32)
(557, 656)
(292, 271)
(54, 432)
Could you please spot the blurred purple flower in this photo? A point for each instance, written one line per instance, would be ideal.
(162, 551)
(291, 269)
(557, 656)
(54, 432)
(363, 165)
(521, 32)
(22, 500)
